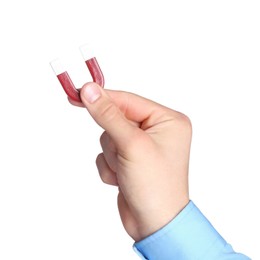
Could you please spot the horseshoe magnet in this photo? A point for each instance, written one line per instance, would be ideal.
(65, 79)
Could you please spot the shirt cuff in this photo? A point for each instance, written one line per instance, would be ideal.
(188, 236)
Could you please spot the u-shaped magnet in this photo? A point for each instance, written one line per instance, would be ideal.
(66, 81)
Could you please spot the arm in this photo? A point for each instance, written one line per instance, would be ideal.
(146, 149)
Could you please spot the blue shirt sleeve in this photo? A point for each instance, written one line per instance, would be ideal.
(188, 236)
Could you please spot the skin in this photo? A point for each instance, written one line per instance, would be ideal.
(146, 149)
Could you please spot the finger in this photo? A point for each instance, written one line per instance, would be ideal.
(109, 150)
(75, 103)
(107, 114)
(106, 174)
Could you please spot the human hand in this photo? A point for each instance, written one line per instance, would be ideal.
(146, 149)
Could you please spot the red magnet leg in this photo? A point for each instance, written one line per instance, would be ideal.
(68, 86)
(92, 64)
(95, 71)
(65, 80)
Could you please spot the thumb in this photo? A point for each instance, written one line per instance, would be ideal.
(105, 112)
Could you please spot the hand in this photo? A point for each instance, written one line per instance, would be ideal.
(146, 149)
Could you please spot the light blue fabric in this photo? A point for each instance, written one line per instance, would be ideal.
(189, 236)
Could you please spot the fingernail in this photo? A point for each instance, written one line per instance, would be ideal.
(91, 93)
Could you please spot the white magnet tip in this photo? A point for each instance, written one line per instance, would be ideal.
(57, 66)
(87, 52)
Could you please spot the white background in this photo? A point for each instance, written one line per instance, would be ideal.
(199, 57)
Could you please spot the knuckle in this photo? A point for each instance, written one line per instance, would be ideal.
(186, 126)
(100, 166)
(103, 138)
(183, 121)
(98, 159)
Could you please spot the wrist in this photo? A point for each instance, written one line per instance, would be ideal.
(152, 222)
